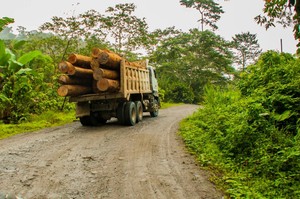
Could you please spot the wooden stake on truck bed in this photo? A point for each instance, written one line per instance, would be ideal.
(73, 90)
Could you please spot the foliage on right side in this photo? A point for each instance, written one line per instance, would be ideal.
(250, 131)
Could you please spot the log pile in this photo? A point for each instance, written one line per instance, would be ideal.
(97, 73)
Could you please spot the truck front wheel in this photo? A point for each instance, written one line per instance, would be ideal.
(154, 112)
(130, 113)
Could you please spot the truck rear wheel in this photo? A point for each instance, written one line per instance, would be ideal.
(94, 119)
(130, 113)
(139, 111)
(85, 121)
(120, 112)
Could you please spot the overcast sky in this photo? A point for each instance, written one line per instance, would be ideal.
(239, 16)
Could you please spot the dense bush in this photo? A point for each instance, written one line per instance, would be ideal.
(27, 84)
(251, 131)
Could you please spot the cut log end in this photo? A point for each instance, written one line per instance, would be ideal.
(100, 73)
(104, 58)
(108, 85)
(70, 80)
(62, 91)
(80, 60)
(73, 90)
(95, 64)
(96, 52)
(65, 66)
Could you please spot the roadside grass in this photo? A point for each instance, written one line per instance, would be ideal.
(37, 122)
(165, 105)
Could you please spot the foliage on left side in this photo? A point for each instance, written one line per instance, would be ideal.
(26, 82)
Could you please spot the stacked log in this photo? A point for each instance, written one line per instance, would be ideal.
(78, 76)
(95, 74)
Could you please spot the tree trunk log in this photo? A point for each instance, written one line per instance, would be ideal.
(109, 59)
(73, 90)
(108, 85)
(81, 72)
(80, 60)
(96, 52)
(95, 64)
(69, 80)
(65, 66)
(100, 73)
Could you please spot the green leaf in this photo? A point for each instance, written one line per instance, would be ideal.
(5, 21)
(2, 49)
(23, 71)
(281, 117)
(18, 44)
(26, 58)
(14, 65)
(4, 54)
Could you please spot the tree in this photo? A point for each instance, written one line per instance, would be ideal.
(284, 12)
(209, 10)
(193, 59)
(156, 37)
(127, 30)
(4, 22)
(247, 49)
(62, 36)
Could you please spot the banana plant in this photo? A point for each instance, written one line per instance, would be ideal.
(15, 82)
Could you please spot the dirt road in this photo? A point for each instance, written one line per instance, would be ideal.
(112, 161)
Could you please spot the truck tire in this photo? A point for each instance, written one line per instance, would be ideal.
(139, 111)
(120, 113)
(85, 121)
(130, 113)
(154, 113)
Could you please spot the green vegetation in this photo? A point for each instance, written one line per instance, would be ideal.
(168, 104)
(248, 128)
(37, 122)
(250, 131)
(188, 61)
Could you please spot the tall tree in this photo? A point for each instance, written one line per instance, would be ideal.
(210, 11)
(126, 29)
(156, 37)
(247, 49)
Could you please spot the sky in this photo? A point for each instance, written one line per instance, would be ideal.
(238, 17)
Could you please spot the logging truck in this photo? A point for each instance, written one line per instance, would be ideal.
(111, 87)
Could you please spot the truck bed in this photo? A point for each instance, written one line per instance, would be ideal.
(133, 80)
